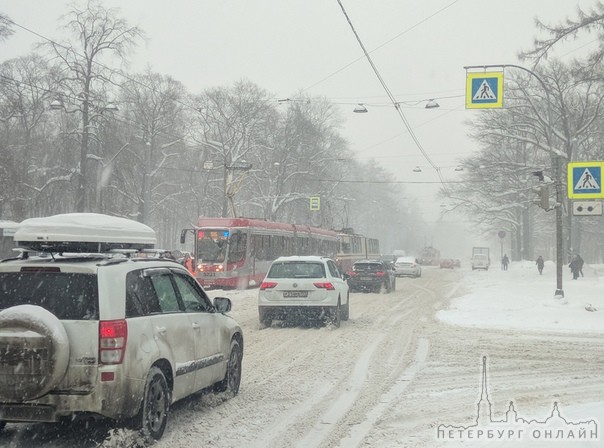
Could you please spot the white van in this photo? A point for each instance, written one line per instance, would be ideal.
(480, 261)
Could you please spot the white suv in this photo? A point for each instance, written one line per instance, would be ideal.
(308, 286)
(106, 334)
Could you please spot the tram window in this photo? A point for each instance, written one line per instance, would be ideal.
(237, 247)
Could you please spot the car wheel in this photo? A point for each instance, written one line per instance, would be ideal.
(153, 415)
(40, 341)
(265, 319)
(336, 314)
(232, 378)
(346, 310)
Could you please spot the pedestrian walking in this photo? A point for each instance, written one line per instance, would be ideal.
(580, 262)
(504, 262)
(574, 267)
(540, 263)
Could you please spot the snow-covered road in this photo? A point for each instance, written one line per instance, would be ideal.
(386, 378)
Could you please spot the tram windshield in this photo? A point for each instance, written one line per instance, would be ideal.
(212, 245)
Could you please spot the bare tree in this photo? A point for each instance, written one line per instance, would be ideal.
(26, 135)
(98, 33)
(6, 27)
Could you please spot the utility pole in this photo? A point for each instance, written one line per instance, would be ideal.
(556, 165)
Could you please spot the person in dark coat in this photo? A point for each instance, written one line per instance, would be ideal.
(504, 262)
(581, 263)
(540, 263)
(574, 267)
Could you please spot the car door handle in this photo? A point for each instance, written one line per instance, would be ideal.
(161, 330)
(195, 326)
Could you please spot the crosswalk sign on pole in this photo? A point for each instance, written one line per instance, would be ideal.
(315, 203)
(484, 90)
(585, 180)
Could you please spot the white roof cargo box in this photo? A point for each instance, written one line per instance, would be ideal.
(83, 232)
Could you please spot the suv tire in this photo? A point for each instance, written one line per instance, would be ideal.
(153, 414)
(232, 377)
(345, 313)
(336, 315)
(45, 335)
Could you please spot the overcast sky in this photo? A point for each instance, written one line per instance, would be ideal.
(288, 46)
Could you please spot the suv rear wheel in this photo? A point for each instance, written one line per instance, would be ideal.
(336, 314)
(153, 415)
(345, 313)
(232, 378)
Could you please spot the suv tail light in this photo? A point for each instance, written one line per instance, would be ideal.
(324, 285)
(113, 335)
(353, 273)
(380, 273)
(267, 285)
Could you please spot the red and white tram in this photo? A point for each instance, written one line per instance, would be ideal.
(355, 247)
(237, 252)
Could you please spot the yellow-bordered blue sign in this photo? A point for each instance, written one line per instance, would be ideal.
(484, 90)
(585, 180)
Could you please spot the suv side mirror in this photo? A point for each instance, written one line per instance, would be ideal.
(222, 304)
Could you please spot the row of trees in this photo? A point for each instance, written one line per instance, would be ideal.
(552, 116)
(76, 134)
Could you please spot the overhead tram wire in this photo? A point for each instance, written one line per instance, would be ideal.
(393, 99)
(380, 46)
(112, 70)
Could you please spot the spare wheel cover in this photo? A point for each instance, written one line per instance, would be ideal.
(34, 352)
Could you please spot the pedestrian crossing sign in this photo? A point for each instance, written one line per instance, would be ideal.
(484, 90)
(585, 180)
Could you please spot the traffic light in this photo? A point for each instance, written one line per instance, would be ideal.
(542, 199)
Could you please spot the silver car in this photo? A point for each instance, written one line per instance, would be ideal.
(407, 267)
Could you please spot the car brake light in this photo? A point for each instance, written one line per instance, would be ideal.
(324, 285)
(267, 285)
(380, 273)
(352, 273)
(113, 335)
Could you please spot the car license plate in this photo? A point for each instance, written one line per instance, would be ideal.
(295, 293)
(209, 274)
(366, 279)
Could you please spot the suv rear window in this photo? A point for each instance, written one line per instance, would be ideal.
(371, 267)
(296, 269)
(69, 296)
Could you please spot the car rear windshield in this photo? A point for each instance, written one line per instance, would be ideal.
(68, 296)
(371, 267)
(296, 269)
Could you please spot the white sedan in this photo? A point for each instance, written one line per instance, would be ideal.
(407, 267)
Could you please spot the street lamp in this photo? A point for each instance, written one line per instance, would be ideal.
(557, 171)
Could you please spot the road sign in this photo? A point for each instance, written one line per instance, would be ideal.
(315, 203)
(587, 208)
(501, 234)
(484, 90)
(585, 180)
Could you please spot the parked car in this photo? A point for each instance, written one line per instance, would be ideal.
(103, 333)
(407, 267)
(480, 261)
(371, 276)
(310, 287)
(447, 263)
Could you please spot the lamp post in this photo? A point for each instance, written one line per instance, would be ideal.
(556, 162)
